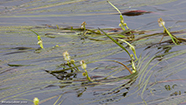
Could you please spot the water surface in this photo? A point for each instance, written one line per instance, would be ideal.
(22, 64)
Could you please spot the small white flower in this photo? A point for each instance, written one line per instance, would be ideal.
(39, 42)
(161, 22)
(83, 64)
(66, 56)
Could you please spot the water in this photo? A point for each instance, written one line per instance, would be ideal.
(22, 64)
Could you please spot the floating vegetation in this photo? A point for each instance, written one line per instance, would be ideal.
(83, 65)
(40, 42)
(135, 12)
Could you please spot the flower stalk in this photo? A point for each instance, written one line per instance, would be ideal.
(73, 62)
(40, 42)
(131, 47)
(162, 23)
(84, 66)
(122, 23)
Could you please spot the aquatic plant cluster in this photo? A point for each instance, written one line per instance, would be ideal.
(134, 60)
(124, 27)
(113, 79)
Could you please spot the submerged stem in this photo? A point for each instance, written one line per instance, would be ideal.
(124, 66)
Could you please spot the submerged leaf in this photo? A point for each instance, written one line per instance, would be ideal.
(135, 12)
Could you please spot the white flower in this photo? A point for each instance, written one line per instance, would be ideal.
(161, 22)
(39, 42)
(66, 56)
(83, 64)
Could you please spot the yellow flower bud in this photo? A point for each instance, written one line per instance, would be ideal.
(120, 25)
(133, 71)
(72, 61)
(38, 38)
(84, 74)
(36, 101)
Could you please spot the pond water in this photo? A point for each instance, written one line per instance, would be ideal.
(23, 65)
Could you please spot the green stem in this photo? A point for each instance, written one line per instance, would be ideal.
(75, 66)
(121, 17)
(114, 7)
(132, 47)
(115, 42)
(173, 38)
(88, 76)
(70, 66)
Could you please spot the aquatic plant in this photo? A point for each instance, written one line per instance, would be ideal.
(111, 83)
(73, 62)
(130, 55)
(83, 26)
(40, 42)
(162, 23)
(122, 23)
(70, 61)
(131, 47)
(84, 66)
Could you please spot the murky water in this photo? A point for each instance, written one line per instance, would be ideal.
(23, 65)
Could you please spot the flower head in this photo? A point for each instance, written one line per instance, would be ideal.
(83, 25)
(40, 43)
(161, 22)
(66, 56)
(83, 64)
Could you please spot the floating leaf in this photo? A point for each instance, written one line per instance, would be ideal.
(135, 12)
